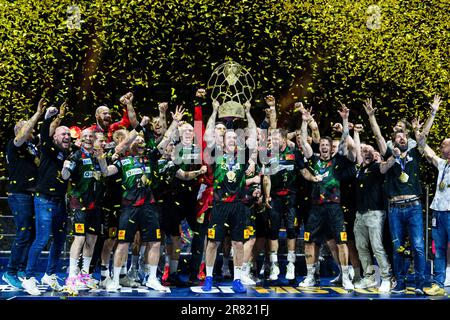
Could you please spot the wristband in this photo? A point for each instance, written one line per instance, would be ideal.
(139, 128)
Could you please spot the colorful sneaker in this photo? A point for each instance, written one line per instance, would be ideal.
(72, 285)
(12, 280)
(238, 287)
(435, 290)
(166, 273)
(207, 286)
(30, 286)
(88, 281)
(52, 282)
(201, 273)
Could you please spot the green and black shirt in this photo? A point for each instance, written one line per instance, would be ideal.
(86, 180)
(283, 169)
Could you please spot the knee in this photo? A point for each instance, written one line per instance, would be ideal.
(238, 245)
(212, 245)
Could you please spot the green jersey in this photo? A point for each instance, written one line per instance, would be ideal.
(86, 180)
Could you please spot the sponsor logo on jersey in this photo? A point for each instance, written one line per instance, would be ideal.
(79, 227)
(124, 162)
(88, 174)
(133, 172)
(121, 235)
(87, 161)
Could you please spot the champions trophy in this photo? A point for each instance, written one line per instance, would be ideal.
(232, 86)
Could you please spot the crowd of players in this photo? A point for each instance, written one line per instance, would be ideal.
(132, 182)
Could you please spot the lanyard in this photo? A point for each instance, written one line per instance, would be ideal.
(444, 172)
(403, 162)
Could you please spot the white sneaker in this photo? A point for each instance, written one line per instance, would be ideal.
(447, 279)
(113, 286)
(153, 283)
(76, 284)
(52, 282)
(385, 286)
(128, 282)
(30, 286)
(246, 280)
(347, 283)
(274, 271)
(104, 283)
(309, 281)
(366, 282)
(290, 271)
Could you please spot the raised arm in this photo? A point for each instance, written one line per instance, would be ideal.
(356, 130)
(125, 144)
(28, 127)
(57, 121)
(209, 136)
(251, 127)
(163, 106)
(270, 100)
(429, 123)
(381, 142)
(104, 168)
(177, 116)
(306, 147)
(127, 100)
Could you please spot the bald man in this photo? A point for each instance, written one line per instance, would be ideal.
(49, 205)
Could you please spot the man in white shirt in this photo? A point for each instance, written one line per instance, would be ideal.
(441, 215)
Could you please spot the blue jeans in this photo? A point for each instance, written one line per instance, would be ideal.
(22, 208)
(51, 218)
(441, 236)
(401, 220)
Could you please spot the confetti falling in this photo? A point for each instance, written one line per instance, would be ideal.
(314, 51)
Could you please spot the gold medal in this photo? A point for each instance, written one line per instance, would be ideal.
(442, 186)
(403, 177)
(144, 180)
(96, 175)
(231, 175)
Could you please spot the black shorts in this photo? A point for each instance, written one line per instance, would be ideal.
(110, 218)
(323, 218)
(283, 208)
(86, 221)
(170, 217)
(349, 220)
(143, 218)
(262, 223)
(227, 216)
(250, 230)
